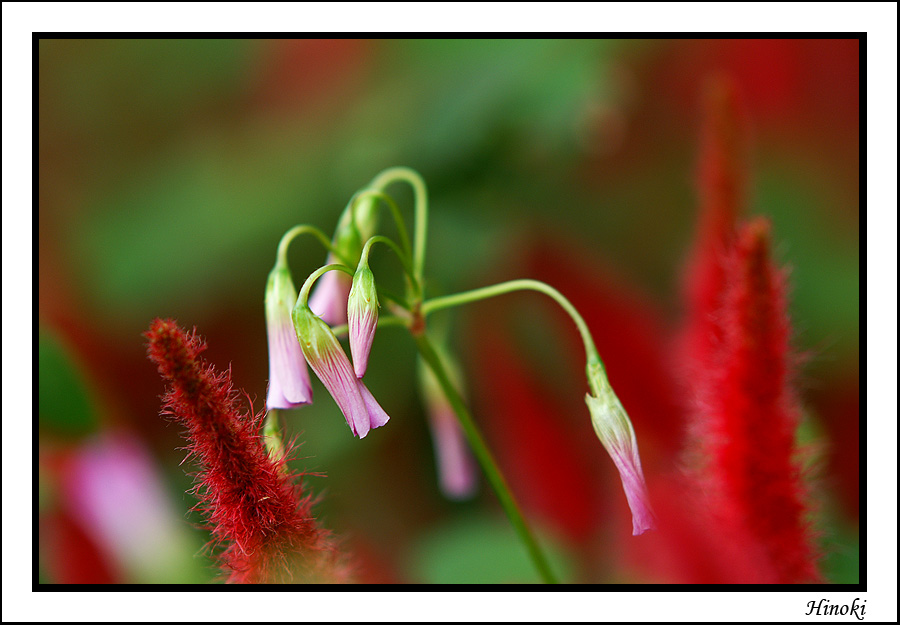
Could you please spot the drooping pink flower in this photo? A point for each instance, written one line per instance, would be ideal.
(362, 317)
(457, 473)
(289, 384)
(614, 429)
(328, 360)
(329, 296)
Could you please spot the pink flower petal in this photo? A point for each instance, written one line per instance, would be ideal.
(329, 297)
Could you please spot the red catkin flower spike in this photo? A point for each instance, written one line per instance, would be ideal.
(721, 181)
(751, 416)
(259, 518)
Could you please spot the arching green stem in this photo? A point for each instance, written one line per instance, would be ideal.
(420, 192)
(438, 303)
(395, 211)
(291, 234)
(304, 291)
(404, 260)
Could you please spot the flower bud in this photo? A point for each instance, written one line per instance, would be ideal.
(362, 317)
(613, 428)
(289, 385)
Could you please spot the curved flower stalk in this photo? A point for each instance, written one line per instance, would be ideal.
(611, 422)
(328, 360)
(289, 385)
(721, 187)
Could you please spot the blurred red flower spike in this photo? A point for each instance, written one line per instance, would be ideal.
(721, 180)
(747, 421)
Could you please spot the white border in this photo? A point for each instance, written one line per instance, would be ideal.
(20, 19)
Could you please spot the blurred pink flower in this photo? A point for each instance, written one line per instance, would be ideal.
(329, 296)
(457, 473)
(114, 491)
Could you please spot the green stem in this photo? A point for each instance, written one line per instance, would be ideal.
(406, 174)
(485, 459)
(438, 303)
(305, 229)
(404, 260)
(272, 435)
(304, 291)
(395, 211)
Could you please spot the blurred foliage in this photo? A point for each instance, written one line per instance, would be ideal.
(841, 564)
(65, 406)
(480, 550)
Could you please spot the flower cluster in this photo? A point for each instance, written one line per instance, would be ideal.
(253, 509)
(337, 294)
(298, 336)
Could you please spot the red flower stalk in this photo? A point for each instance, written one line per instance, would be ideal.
(259, 518)
(721, 182)
(749, 420)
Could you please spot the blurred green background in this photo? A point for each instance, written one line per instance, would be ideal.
(170, 168)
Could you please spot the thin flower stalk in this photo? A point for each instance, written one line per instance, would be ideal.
(721, 182)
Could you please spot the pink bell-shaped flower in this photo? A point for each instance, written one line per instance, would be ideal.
(328, 360)
(613, 428)
(289, 384)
